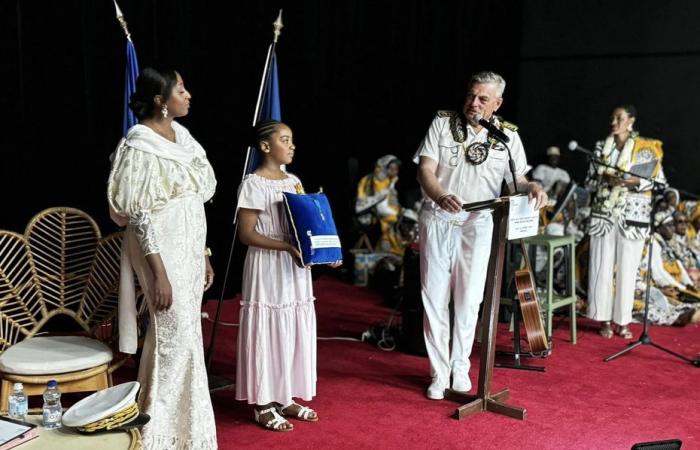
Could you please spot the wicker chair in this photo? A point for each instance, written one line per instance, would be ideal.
(61, 265)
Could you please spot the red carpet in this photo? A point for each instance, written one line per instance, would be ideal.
(369, 398)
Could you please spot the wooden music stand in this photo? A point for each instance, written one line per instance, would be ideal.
(484, 400)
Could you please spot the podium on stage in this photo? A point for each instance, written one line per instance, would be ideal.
(484, 399)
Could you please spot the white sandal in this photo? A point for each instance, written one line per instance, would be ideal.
(274, 424)
(304, 412)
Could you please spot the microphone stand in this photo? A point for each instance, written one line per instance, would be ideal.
(644, 338)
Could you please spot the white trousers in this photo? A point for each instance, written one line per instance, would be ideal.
(612, 274)
(454, 258)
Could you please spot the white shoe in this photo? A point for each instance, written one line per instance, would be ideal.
(461, 383)
(436, 390)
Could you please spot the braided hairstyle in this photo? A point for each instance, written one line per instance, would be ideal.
(263, 130)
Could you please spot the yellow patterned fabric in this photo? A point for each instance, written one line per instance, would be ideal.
(646, 149)
(690, 209)
(616, 205)
(376, 192)
(673, 269)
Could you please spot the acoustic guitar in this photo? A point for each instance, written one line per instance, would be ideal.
(529, 307)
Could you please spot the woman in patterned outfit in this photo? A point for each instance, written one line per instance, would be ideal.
(619, 221)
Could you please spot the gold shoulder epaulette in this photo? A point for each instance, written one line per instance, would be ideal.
(509, 126)
(445, 113)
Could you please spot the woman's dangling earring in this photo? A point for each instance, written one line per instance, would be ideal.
(164, 111)
(629, 127)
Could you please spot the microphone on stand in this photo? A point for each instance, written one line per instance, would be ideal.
(574, 147)
(500, 136)
(493, 130)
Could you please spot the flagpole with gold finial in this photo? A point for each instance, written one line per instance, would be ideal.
(122, 21)
(215, 381)
(131, 72)
(277, 26)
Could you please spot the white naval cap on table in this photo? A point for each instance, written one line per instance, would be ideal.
(108, 409)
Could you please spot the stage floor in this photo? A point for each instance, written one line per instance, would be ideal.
(370, 398)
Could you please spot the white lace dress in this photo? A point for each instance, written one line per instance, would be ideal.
(159, 187)
(277, 333)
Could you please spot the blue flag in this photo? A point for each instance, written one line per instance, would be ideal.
(271, 99)
(269, 109)
(132, 73)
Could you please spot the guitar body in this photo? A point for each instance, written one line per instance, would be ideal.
(530, 309)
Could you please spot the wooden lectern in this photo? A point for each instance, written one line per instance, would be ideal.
(485, 400)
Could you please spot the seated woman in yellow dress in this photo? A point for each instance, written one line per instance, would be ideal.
(377, 202)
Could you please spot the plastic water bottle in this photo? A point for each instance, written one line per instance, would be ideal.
(52, 406)
(18, 403)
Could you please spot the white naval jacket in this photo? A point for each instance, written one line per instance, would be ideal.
(447, 141)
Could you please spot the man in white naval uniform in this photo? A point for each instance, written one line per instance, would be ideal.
(460, 163)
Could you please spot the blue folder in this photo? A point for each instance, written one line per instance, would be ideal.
(311, 223)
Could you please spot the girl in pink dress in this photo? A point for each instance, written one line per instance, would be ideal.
(277, 333)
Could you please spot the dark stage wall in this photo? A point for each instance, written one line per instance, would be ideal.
(359, 79)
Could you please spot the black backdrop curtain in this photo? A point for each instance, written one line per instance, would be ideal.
(358, 79)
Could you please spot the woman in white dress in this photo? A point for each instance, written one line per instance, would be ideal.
(277, 334)
(159, 180)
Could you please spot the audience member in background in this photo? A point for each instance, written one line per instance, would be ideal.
(669, 201)
(665, 308)
(691, 210)
(378, 202)
(672, 198)
(552, 177)
(681, 245)
(666, 263)
(619, 221)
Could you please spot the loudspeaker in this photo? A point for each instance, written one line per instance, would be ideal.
(671, 444)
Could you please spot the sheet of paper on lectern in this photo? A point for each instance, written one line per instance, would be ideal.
(523, 218)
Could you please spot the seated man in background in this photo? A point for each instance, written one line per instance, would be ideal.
(552, 177)
(681, 245)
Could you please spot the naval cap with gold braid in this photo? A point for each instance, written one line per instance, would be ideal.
(108, 409)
